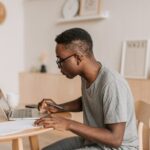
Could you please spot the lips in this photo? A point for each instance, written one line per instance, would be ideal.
(62, 72)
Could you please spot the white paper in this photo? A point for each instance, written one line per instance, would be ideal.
(11, 127)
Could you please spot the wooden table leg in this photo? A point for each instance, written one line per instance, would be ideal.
(34, 143)
(17, 144)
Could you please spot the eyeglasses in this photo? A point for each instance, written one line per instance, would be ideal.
(59, 60)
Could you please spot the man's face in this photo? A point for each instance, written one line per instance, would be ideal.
(67, 61)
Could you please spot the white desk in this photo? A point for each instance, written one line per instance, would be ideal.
(32, 134)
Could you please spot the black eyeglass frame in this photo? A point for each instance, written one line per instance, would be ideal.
(59, 61)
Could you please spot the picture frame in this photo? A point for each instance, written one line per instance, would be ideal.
(135, 59)
(89, 7)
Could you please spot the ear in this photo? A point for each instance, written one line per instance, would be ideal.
(79, 58)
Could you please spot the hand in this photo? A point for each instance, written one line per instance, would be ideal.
(54, 121)
(45, 108)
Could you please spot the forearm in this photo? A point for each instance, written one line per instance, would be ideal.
(73, 106)
(96, 135)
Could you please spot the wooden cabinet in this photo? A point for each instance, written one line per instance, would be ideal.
(33, 87)
(140, 89)
(36, 86)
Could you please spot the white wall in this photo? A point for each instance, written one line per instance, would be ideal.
(20, 47)
(11, 45)
(128, 20)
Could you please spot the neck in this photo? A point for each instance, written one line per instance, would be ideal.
(90, 71)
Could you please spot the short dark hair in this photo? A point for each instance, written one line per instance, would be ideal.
(73, 35)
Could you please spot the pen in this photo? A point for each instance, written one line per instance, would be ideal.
(55, 105)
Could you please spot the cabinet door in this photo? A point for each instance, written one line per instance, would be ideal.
(36, 86)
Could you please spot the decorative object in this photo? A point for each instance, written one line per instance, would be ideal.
(43, 68)
(2, 12)
(70, 8)
(89, 7)
(82, 10)
(43, 60)
(135, 57)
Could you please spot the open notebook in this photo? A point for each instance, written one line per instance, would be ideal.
(11, 127)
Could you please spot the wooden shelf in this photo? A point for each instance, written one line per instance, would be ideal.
(84, 18)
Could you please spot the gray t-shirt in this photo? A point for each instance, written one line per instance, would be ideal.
(109, 100)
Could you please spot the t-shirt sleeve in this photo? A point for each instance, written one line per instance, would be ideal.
(115, 103)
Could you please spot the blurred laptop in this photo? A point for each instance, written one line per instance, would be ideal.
(16, 114)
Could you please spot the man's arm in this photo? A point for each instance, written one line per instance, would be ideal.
(49, 105)
(111, 136)
(73, 106)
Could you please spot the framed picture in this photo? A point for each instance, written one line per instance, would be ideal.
(135, 59)
(89, 7)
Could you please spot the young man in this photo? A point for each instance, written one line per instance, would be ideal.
(106, 102)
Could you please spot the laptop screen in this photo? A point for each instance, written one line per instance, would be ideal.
(4, 109)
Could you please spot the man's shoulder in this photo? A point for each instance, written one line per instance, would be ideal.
(109, 76)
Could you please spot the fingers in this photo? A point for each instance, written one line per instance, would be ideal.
(44, 107)
(50, 101)
(45, 122)
(49, 107)
(54, 121)
(41, 105)
(52, 109)
(48, 119)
